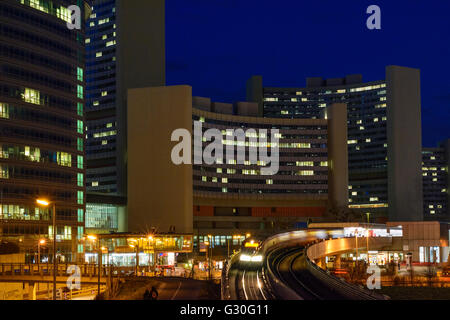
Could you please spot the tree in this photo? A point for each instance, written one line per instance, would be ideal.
(8, 247)
(343, 214)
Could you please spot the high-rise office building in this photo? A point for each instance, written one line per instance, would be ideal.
(384, 134)
(435, 164)
(125, 46)
(41, 123)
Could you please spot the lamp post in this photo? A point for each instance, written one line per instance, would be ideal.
(210, 238)
(45, 203)
(40, 243)
(99, 259)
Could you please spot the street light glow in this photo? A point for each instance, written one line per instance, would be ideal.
(92, 237)
(42, 202)
(42, 241)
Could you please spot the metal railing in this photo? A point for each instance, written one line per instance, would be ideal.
(343, 288)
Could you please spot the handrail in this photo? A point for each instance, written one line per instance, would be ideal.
(279, 287)
(344, 288)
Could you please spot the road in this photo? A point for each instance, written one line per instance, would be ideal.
(170, 288)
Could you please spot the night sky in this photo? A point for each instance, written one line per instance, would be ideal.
(216, 45)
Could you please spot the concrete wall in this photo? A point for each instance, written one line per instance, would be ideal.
(446, 145)
(159, 192)
(337, 155)
(255, 92)
(404, 144)
(421, 234)
(141, 63)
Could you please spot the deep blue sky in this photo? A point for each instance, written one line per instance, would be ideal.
(216, 45)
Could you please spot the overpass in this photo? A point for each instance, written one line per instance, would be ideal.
(29, 276)
(291, 268)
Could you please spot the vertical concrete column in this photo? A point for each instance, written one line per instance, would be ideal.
(404, 137)
(337, 263)
(32, 290)
(336, 115)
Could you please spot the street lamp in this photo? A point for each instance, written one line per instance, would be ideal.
(46, 203)
(40, 243)
(135, 245)
(99, 259)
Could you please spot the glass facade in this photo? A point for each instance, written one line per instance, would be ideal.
(100, 74)
(41, 128)
(367, 133)
(102, 216)
(435, 183)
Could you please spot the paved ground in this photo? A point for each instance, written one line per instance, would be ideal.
(170, 289)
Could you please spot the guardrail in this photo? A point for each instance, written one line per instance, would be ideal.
(308, 238)
(225, 280)
(278, 287)
(343, 288)
(42, 269)
(69, 295)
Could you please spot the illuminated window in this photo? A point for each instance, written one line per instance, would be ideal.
(4, 110)
(4, 172)
(105, 134)
(368, 140)
(32, 96)
(80, 162)
(214, 179)
(64, 159)
(354, 193)
(219, 170)
(98, 54)
(80, 216)
(306, 173)
(224, 190)
(352, 141)
(95, 183)
(80, 197)
(80, 109)
(375, 120)
(269, 181)
(204, 179)
(224, 180)
(80, 126)
(104, 93)
(374, 199)
(80, 92)
(80, 144)
(304, 164)
(324, 163)
(80, 179)
(79, 74)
